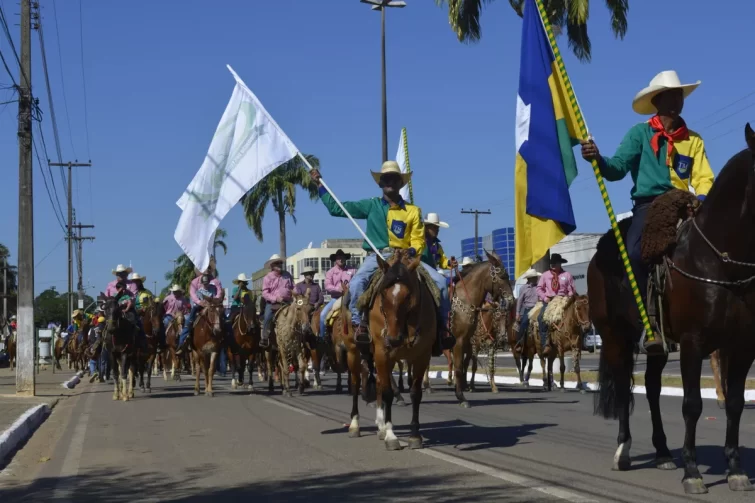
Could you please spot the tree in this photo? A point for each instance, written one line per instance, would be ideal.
(12, 278)
(219, 243)
(279, 189)
(53, 306)
(568, 15)
(181, 275)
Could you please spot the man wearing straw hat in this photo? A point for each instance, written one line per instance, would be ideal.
(434, 258)
(315, 292)
(660, 154)
(173, 303)
(203, 286)
(277, 290)
(121, 273)
(240, 295)
(524, 303)
(78, 318)
(143, 296)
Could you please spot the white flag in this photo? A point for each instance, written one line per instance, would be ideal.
(401, 160)
(247, 145)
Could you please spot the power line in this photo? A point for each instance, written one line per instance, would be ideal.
(62, 80)
(47, 83)
(83, 77)
(50, 252)
(727, 106)
(47, 188)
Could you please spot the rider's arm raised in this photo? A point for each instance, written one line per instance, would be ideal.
(357, 209)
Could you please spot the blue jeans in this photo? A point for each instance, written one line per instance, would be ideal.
(267, 320)
(543, 326)
(93, 366)
(634, 248)
(187, 325)
(359, 283)
(167, 320)
(105, 363)
(324, 315)
(524, 324)
(445, 303)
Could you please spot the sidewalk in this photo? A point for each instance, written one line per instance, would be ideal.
(21, 416)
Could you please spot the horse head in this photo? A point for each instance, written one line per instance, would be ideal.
(155, 312)
(581, 308)
(113, 313)
(499, 281)
(302, 313)
(214, 313)
(399, 295)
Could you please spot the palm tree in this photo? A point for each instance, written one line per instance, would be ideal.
(569, 15)
(279, 189)
(182, 274)
(12, 275)
(218, 242)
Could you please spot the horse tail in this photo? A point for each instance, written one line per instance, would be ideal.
(615, 380)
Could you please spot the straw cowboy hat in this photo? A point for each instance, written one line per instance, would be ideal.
(120, 268)
(340, 253)
(391, 167)
(176, 288)
(308, 270)
(134, 276)
(643, 101)
(77, 312)
(466, 261)
(274, 259)
(434, 219)
(241, 278)
(530, 273)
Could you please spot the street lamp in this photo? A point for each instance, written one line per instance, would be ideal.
(381, 5)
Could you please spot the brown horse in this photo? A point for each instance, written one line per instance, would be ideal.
(292, 329)
(207, 342)
(475, 283)
(707, 304)
(169, 357)
(120, 339)
(489, 337)
(80, 344)
(246, 330)
(11, 348)
(152, 320)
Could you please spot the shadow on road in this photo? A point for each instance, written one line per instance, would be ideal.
(368, 485)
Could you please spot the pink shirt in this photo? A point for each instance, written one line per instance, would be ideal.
(196, 283)
(334, 279)
(173, 305)
(564, 285)
(110, 291)
(276, 285)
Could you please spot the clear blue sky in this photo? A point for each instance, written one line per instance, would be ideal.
(157, 86)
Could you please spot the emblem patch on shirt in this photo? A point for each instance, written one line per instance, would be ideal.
(398, 228)
(682, 166)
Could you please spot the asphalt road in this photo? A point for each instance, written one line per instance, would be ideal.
(520, 445)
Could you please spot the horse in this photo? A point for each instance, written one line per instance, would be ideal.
(707, 304)
(246, 330)
(152, 321)
(120, 339)
(11, 348)
(168, 354)
(207, 342)
(476, 282)
(81, 346)
(292, 329)
(489, 336)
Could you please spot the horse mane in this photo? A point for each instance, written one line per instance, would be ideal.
(735, 173)
(466, 272)
(397, 273)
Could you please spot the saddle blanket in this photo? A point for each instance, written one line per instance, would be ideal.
(334, 311)
(554, 310)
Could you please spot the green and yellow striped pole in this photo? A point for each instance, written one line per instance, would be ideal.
(596, 169)
(408, 166)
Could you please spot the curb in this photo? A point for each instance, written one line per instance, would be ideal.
(709, 393)
(72, 382)
(22, 429)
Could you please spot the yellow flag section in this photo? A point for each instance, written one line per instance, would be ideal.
(546, 132)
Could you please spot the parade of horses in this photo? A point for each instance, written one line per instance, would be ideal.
(674, 272)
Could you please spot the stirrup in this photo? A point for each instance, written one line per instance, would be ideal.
(362, 335)
(264, 342)
(654, 347)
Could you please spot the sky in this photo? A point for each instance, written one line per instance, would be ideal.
(156, 87)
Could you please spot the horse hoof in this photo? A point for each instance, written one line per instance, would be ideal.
(721, 404)
(494, 390)
(116, 397)
(381, 435)
(400, 402)
(622, 464)
(582, 391)
(393, 445)
(694, 486)
(464, 404)
(740, 482)
(563, 390)
(526, 384)
(665, 464)
(415, 443)
(196, 392)
(429, 391)
(354, 433)
(371, 405)
(289, 394)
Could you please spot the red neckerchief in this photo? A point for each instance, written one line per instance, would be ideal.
(681, 134)
(554, 281)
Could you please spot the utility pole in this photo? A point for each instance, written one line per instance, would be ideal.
(25, 383)
(476, 214)
(79, 242)
(70, 165)
(5, 289)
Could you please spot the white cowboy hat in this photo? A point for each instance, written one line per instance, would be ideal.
(308, 270)
(241, 278)
(121, 268)
(134, 276)
(275, 258)
(530, 273)
(13, 317)
(391, 167)
(434, 219)
(76, 313)
(467, 261)
(643, 101)
(176, 288)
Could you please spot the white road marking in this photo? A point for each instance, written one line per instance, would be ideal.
(70, 469)
(289, 407)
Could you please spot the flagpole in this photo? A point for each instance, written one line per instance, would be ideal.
(583, 131)
(408, 166)
(338, 202)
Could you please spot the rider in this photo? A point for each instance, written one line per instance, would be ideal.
(553, 283)
(524, 303)
(121, 272)
(174, 303)
(125, 300)
(660, 154)
(435, 257)
(143, 296)
(277, 288)
(95, 365)
(392, 223)
(335, 279)
(240, 295)
(315, 292)
(78, 318)
(203, 286)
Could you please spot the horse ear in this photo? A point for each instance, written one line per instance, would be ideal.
(750, 137)
(494, 258)
(382, 263)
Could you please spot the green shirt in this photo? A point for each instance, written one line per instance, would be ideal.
(142, 297)
(240, 301)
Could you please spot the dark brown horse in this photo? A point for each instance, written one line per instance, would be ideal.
(169, 357)
(246, 330)
(475, 283)
(207, 342)
(120, 339)
(708, 304)
(152, 320)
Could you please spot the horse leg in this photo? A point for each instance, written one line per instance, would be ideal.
(653, 371)
(150, 366)
(269, 370)
(576, 352)
(426, 383)
(491, 368)
(544, 368)
(116, 377)
(715, 365)
(472, 387)
(551, 358)
(196, 374)
(562, 368)
(237, 375)
(354, 362)
(317, 358)
(127, 376)
(301, 370)
(400, 364)
(396, 390)
(692, 406)
(449, 359)
(415, 439)
(283, 374)
(458, 371)
(738, 367)
(383, 369)
(210, 372)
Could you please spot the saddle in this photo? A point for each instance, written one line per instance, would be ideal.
(367, 299)
(335, 310)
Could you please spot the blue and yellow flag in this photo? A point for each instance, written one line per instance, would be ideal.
(546, 132)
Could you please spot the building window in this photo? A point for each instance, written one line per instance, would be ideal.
(354, 263)
(326, 264)
(309, 262)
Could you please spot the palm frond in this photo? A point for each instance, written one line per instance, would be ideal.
(464, 18)
(619, 9)
(221, 244)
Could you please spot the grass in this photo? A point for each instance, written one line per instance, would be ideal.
(592, 376)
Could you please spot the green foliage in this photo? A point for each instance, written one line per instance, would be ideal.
(51, 305)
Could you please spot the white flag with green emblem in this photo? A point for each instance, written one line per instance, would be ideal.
(246, 147)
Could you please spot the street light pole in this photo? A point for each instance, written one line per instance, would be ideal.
(381, 6)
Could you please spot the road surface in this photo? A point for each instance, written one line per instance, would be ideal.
(520, 445)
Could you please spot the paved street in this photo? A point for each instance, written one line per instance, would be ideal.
(520, 445)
